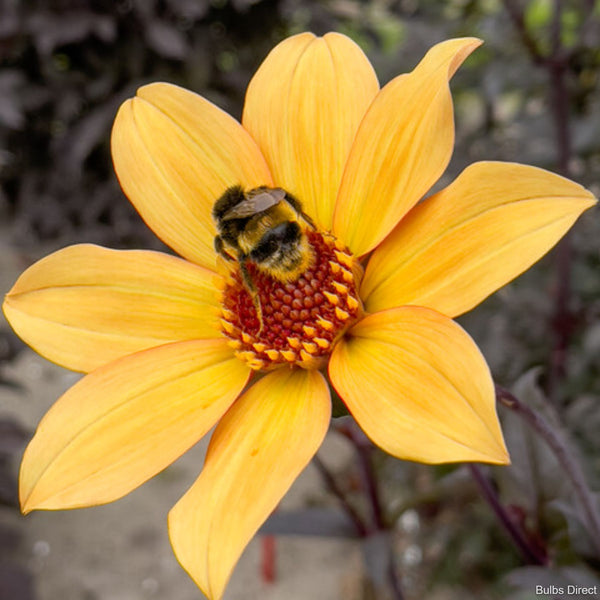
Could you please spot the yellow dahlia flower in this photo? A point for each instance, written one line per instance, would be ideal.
(172, 345)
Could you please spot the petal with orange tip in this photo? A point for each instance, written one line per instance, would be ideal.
(175, 153)
(403, 145)
(85, 306)
(258, 449)
(126, 421)
(462, 244)
(418, 386)
(303, 107)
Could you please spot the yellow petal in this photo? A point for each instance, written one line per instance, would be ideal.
(85, 306)
(419, 387)
(126, 421)
(175, 153)
(465, 242)
(303, 107)
(258, 449)
(402, 147)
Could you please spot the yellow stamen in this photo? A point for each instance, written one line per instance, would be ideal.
(342, 315)
(309, 331)
(294, 342)
(325, 324)
(247, 355)
(227, 326)
(335, 267)
(347, 276)
(305, 356)
(344, 258)
(340, 288)
(272, 354)
(289, 355)
(352, 303)
(322, 342)
(332, 298)
(228, 314)
(310, 347)
(257, 365)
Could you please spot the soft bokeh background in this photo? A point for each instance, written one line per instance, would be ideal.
(66, 65)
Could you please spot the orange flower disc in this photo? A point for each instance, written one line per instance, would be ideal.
(302, 319)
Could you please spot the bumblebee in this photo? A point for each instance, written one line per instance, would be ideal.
(264, 226)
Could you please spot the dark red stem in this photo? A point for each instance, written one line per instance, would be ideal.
(556, 63)
(336, 490)
(569, 465)
(530, 553)
(364, 450)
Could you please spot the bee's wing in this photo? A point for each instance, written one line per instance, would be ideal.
(255, 204)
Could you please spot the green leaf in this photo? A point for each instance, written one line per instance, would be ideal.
(538, 14)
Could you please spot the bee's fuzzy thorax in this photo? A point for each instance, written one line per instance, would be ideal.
(290, 263)
(258, 226)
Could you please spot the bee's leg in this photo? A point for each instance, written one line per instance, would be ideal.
(298, 208)
(249, 284)
(220, 248)
(308, 220)
(257, 306)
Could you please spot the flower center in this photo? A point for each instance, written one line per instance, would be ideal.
(301, 319)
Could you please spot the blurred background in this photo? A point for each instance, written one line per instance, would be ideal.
(530, 95)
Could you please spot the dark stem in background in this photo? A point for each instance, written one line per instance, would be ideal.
(518, 20)
(562, 319)
(567, 462)
(556, 64)
(395, 584)
(364, 449)
(336, 490)
(530, 553)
